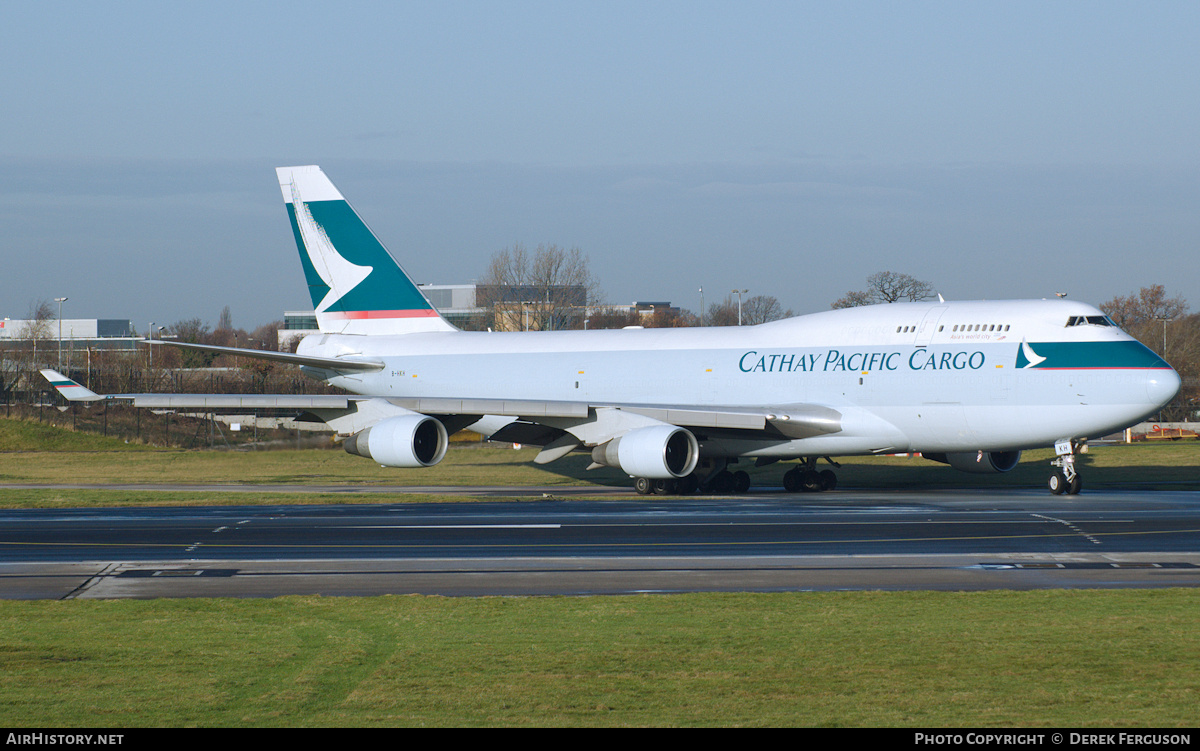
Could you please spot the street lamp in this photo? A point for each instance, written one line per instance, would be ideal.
(739, 292)
(1164, 319)
(60, 301)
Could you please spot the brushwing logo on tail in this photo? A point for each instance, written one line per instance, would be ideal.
(339, 275)
(356, 286)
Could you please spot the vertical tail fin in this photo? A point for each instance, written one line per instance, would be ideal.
(355, 284)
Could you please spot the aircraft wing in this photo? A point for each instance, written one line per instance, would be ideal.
(559, 427)
(793, 421)
(338, 364)
(378, 426)
(592, 422)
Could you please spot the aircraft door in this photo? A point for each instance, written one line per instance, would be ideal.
(929, 325)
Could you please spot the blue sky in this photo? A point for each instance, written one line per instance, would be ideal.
(995, 149)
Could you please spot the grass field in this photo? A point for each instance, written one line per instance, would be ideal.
(37, 454)
(908, 659)
(994, 659)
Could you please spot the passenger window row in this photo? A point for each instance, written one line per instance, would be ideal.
(964, 327)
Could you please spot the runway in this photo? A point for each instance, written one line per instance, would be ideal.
(946, 539)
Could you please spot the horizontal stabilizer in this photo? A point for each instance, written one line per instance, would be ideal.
(323, 363)
(72, 391)
(75, 392)
(237, 401)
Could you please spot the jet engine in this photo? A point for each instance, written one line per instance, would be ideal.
(405, 441)
(980, 463)
(656, 452)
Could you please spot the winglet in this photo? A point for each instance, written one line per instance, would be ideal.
(71, 390)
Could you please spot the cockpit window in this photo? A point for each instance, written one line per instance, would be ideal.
(1090, 321)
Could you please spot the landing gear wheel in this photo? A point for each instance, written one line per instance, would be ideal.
(791, 480)
(828, 479)
(1074, 486)
(687, 485)
(741, 482)
(722, 483)
(810, 481)
(663, 487)
(642, 486)
(1058, 482)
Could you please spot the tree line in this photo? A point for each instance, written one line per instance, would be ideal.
(552, 288)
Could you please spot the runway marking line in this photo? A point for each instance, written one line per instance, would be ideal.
(422, 546)
(450, 526)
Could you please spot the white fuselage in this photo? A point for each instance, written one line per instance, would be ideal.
(905, 377)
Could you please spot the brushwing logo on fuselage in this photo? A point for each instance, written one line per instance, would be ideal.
(1031, 358)
(338, 274)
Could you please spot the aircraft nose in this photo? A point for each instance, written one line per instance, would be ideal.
(1162, 386)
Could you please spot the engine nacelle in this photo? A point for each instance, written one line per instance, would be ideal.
(990, 463)
(656, 452)
(404, 441)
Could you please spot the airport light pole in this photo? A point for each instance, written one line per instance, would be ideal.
(60, 301)
(701, 306)
(739, 294)
(1164, 319)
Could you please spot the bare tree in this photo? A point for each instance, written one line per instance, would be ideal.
(673, 318)
(38, 322)
(1149, 304)
(197, 332)
(266, 336)
(550, 288)
(755, 310)
(887, 287)
(724, 313)
(763, 308)
(36, 334)
(854, 300)
(608, 318)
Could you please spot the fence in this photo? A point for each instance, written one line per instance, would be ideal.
(28, 396)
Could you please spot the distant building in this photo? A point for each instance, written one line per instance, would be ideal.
(77, 333)
(516, 308)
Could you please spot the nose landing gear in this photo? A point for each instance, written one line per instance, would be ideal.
(1065, 479)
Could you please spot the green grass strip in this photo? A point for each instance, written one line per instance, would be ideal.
(920, 659)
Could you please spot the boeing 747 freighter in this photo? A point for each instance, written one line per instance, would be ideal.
(971, 384)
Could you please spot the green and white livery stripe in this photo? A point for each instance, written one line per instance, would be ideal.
(1116, 355)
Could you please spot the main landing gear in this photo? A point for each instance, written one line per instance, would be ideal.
(713, 478)
(805, 478)
(1065, 479)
